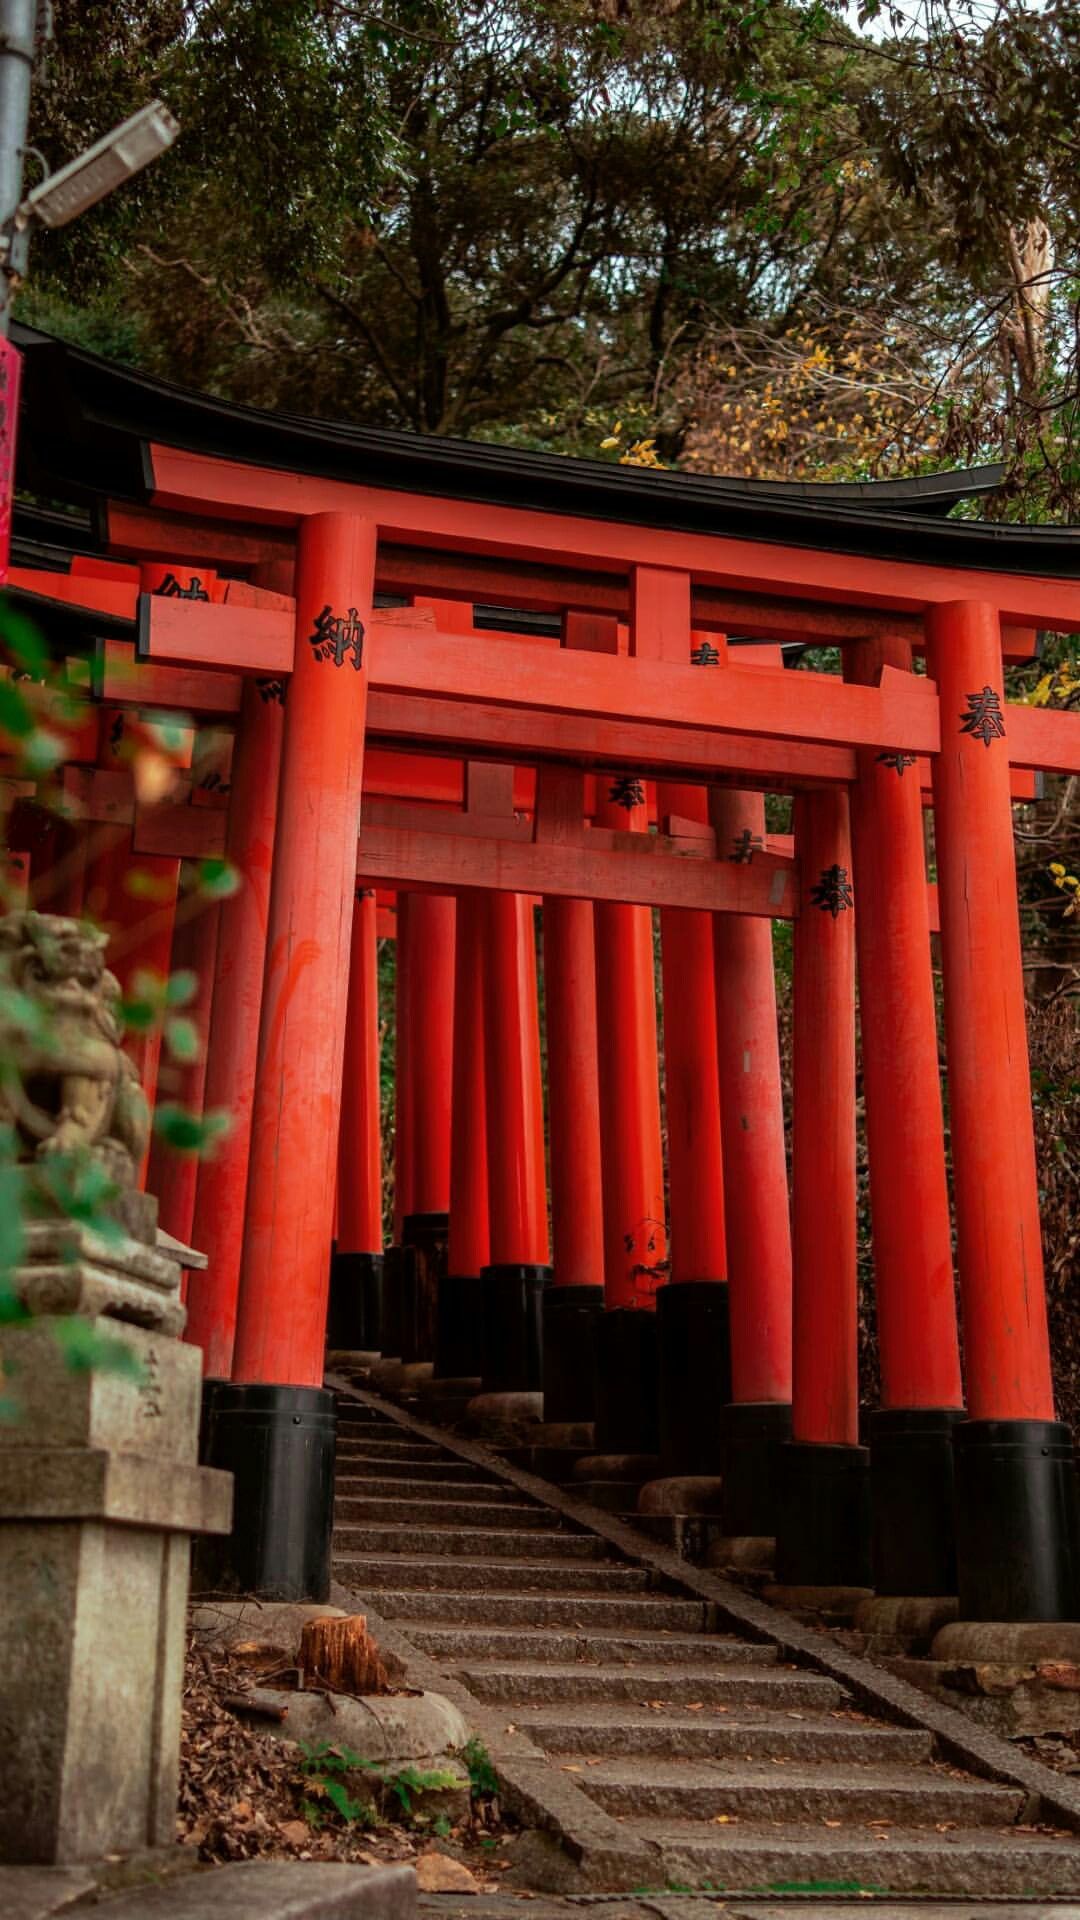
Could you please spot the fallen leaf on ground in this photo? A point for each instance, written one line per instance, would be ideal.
(437, 1873)
(695, 1706)
(725, 1819)
(295, 1833)
(571, 1769)
(832, 1823)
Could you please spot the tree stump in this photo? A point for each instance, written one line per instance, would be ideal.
(342, 1654)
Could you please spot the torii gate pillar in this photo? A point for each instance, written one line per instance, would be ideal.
(573, 1304)
(823, 1537)
(692, 1309)
(514, 1281)
(1017, 1547)
(911, 1452)
(459, 1339)
(274, 1426)
(354, 1320)
(757, 1422)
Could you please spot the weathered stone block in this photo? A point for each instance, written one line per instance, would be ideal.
(155, 1414)
(70, 1269)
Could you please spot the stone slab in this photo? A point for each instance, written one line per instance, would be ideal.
(35, 1893)
(275, 1890)
(1025, 1643)
(270, 1623)
(52, 1484)
(151, 1409)
(89, 1290)
(388, 1729)
(893, 1624)
(682, 1494)
(743, 1552)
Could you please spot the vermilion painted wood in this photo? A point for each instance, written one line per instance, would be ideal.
(188, 832)
(912, 1236)
(171, 1176)
(517, 1195)
(92, 566)
(760, 700)
(752, 1124)
(660, 614)
(1006, 1350)
(426, 927)
(220, 1201)
(122, 680)
(115, 597)
(404, 1103)
(470, 1237)
(183, 633)
(281, 1322)
(577, 1213)
(142, 531)
(695, 1156)
(1044, 738)
(427, 858)
(157, 576)
(194, 483)
(825, 1394)
(133, 897)
(635, 1227)
(680, 752)
(359, 1171)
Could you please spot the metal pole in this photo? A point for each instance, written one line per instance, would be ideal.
(18, 20)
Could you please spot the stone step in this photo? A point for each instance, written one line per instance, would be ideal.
(753, 1733)
(379, 1486)
(431, 1511)
(242, 1890)
(467, 1542)
(746, 1790)
(414, 1609)
(540, 1683)
(447, 1640)
(543, 1577)
(430, 1470)
(397, 1451)
(773, 1858)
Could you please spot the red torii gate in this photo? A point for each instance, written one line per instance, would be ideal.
(641, 685)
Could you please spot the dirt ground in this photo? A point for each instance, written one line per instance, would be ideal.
(245, 1794)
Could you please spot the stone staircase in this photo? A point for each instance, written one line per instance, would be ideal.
(731, 1769)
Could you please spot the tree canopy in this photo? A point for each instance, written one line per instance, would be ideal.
(767, 237)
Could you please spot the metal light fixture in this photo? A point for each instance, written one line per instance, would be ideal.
(107, 164)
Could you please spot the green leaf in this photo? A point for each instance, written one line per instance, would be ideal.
(217, 879)
(16, 718)
(190, 1132)
(42, 752)
(342, 1801)
(87, 1350)
(182, 1039)
(181, 987)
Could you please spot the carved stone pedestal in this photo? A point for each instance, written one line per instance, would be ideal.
(99, 1495)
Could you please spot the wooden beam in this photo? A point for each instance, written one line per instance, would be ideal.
(1046, 738)
(122, 680)
(193, 482)
(651, 874)
(115, 598)
(509, 733)
(146, 533)
(821, 709)
(183, 832)
(187, 633)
